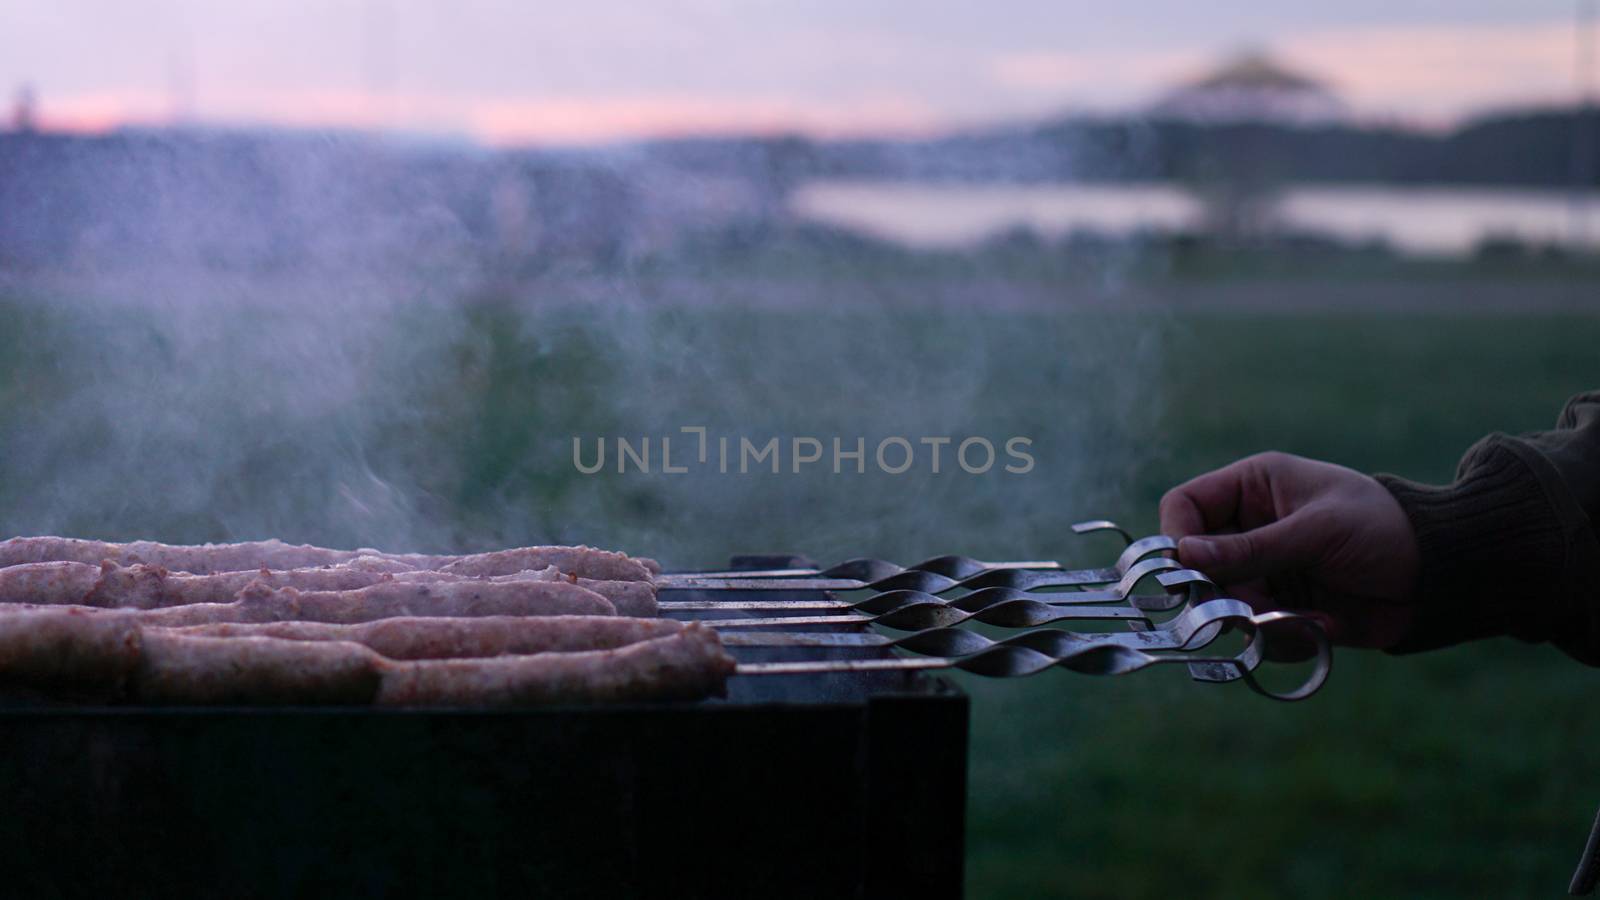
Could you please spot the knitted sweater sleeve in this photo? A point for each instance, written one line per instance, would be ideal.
(1510, 546)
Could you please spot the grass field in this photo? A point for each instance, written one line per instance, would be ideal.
(1467, 772)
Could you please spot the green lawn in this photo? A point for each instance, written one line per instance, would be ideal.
(423, 427)
(1463, 773)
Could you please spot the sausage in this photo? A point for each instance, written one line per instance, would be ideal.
(68, 654)
(260, 602)
(150, 587)
(200, 559)
(689, 665)
(393, 598)
(631, 598)
(458, 638)
(584, 562)
(49, 582)
(175, 669)
(205, 559)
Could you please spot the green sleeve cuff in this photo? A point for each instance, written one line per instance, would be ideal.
(1495, 551)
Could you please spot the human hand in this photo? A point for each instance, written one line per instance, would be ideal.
(1284, 532)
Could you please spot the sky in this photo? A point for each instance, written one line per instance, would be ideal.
(505, 73)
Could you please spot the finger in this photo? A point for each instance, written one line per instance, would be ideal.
(1180, 516)
(1206, 502)
(1272, 549)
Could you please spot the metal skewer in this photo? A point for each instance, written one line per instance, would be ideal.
(866, 569)
(1003, 660)
(912, 611)
(915, 610)
(919, 616)
(997, 594)
(1194, 628)
(956, 567)
(931, 582)
(928, 583)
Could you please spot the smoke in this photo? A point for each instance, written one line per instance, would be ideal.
(364, 344)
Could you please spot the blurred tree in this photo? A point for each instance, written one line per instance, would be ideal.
(1239, 175)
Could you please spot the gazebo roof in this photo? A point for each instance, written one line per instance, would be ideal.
(1256, 70)
(1252, 86)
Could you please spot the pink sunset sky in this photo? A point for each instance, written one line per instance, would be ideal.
(511, 73)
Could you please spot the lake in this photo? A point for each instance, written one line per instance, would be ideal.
(1415, 220)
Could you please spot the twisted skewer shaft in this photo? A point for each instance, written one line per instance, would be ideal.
(1190, 630)
(957, 567)
(1099, 658)
(922, 582)
(919, 616)
(1136, 553)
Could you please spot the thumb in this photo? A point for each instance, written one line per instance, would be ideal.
(1265, 551)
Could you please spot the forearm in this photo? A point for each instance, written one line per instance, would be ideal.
(1509, 547)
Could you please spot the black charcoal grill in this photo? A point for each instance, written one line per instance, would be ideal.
(848, 784)
(834, 767)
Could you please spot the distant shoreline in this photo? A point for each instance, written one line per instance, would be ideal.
(1412, 219)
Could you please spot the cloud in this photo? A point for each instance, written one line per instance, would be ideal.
(801, 77)
(93, 112)
(586, 120)
(512, 120)
(1432, 72)
(1099, 77)
(1441, 71)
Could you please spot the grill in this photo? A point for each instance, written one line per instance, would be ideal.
(835, 765)
(834, 785)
